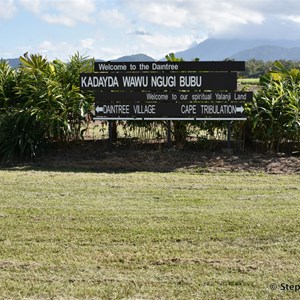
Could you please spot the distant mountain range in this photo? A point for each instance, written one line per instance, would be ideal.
(268, 53)
(220, 49)
(135, 57)
(14, 62)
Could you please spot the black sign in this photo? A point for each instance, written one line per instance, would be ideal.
(166, 90)
(159, 81)
(161, 109)
(172, 96)
(169, 66)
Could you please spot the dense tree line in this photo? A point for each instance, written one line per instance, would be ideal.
(257, 68)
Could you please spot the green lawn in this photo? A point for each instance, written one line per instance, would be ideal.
(178, 235)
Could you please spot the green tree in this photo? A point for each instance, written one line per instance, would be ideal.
(275, 112)
(41, 104)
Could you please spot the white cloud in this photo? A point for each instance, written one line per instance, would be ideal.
(58, 19)
(293, 18)
(64, 12)
(163, 14)
(108, 53)
(31, 5)
(78, 10)
(88, 44)
(7, 9)
(220, 16)
(113, 17)
(158, 45)
(46, 47)
(63, 50)
(212, 15)
(53, 50)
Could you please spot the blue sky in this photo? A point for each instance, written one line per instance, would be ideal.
(109, 29)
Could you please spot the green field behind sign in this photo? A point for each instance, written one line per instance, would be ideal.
(179, 235)
(250, 81)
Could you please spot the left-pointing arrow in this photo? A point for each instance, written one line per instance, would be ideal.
(99, 109)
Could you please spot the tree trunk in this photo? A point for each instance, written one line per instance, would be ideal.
(180, 133)
(114, 132)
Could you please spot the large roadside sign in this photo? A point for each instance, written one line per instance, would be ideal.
(166, 90)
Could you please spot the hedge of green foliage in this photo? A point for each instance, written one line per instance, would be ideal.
(40, 102)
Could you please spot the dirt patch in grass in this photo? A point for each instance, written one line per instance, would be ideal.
(93, 156)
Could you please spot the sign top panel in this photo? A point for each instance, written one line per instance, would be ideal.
(146, 66)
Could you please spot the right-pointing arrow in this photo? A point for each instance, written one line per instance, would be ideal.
(239, 109)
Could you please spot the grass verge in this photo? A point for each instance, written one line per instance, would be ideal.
(146, 235)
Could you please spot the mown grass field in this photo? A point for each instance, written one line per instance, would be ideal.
(178, 235)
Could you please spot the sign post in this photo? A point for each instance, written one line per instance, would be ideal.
(229, 134)
(110, 136)
(169, 138)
